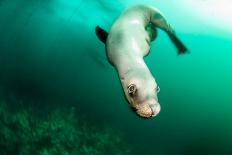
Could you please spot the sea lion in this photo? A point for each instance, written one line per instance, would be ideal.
(127, 42)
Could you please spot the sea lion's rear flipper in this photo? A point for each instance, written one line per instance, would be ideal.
(101, 34)
(160, 22)
(179, 45)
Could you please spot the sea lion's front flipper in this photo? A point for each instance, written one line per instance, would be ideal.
(101, 34)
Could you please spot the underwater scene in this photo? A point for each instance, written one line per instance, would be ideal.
(73, 80)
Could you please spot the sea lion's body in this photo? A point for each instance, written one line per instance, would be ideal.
(127, 43)
(129, 32)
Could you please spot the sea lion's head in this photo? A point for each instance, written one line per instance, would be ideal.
(141, 91)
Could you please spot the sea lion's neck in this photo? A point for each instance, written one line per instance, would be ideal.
(129, 65)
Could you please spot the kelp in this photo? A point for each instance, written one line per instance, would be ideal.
(22, 132)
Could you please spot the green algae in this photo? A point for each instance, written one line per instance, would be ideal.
(60, 133)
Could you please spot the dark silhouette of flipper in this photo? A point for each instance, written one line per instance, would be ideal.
(182, 49)
(159, 21)
(101, 34)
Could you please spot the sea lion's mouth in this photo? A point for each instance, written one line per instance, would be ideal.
(147, 111)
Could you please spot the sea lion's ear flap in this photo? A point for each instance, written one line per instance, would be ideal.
(101, 34)
(179, 45)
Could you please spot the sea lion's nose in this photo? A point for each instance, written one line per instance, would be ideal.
(155, 108)
(148, 110)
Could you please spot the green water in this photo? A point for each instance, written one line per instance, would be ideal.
(49, 54)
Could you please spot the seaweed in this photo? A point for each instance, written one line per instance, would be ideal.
(22, 132)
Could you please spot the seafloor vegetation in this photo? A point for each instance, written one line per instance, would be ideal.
(22, 132)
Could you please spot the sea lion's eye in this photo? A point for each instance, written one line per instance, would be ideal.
(157, 89)
(131, 89)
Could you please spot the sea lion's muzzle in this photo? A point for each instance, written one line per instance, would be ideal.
(147, 109)
(155, 109)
